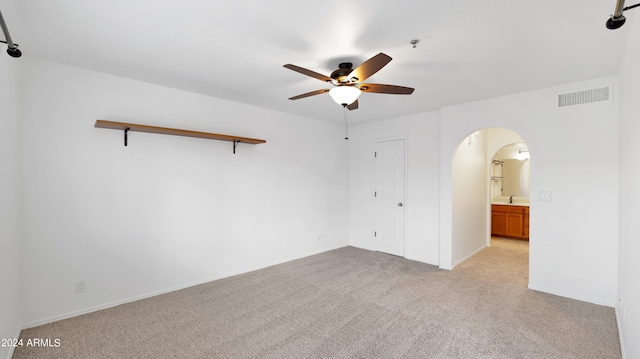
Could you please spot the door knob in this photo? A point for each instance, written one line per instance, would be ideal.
(400, 204)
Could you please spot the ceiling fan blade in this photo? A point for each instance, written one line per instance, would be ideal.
(312, 93)
(308, 72)
(353, 106)
(369, 67)
(390, 89)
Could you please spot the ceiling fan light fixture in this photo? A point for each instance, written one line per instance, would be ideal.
(344, 95)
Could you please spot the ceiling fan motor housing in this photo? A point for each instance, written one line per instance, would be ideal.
(340, 75)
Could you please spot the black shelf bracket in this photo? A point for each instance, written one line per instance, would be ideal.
(126, 138)
(126, 127)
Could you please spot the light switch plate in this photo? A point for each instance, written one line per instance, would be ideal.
(544, 196)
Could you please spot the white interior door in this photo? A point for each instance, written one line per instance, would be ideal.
(389, 204)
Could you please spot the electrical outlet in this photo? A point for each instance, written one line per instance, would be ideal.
(81, 286)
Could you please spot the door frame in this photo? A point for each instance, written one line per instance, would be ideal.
(406, 187)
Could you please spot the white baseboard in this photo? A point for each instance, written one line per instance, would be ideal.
(12, 349)
(569, 295)
(76, 313)
(367, 248)
(619, 322)
(467, 257)
(432, 262)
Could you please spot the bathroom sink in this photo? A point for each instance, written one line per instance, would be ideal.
(517, 201)
(510, 204)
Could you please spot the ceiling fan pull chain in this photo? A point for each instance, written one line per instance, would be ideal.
(346, 128)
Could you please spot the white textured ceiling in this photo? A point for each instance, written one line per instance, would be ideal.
(468, 50)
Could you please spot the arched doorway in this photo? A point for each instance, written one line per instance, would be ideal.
(472, 189)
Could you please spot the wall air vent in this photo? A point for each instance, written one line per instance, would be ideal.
(586, 96)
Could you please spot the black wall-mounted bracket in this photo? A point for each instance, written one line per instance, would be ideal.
(126, 140)
(12, 49)
(617, 19)
(126, 133)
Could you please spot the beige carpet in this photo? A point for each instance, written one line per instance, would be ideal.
(348, 303)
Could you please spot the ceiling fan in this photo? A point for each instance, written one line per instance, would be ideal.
(348, 81)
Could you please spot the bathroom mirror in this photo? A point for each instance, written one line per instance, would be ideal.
(510, 173)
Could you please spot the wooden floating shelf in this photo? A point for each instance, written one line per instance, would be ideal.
(126, 127)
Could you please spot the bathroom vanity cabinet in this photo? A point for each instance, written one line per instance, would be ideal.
(510, 221)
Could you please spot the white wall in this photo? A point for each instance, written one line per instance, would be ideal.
(164, 212)
(628, 305)
(9, 198)
(573, 238)
(573, 242)
(470, 183)
(421, 205)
